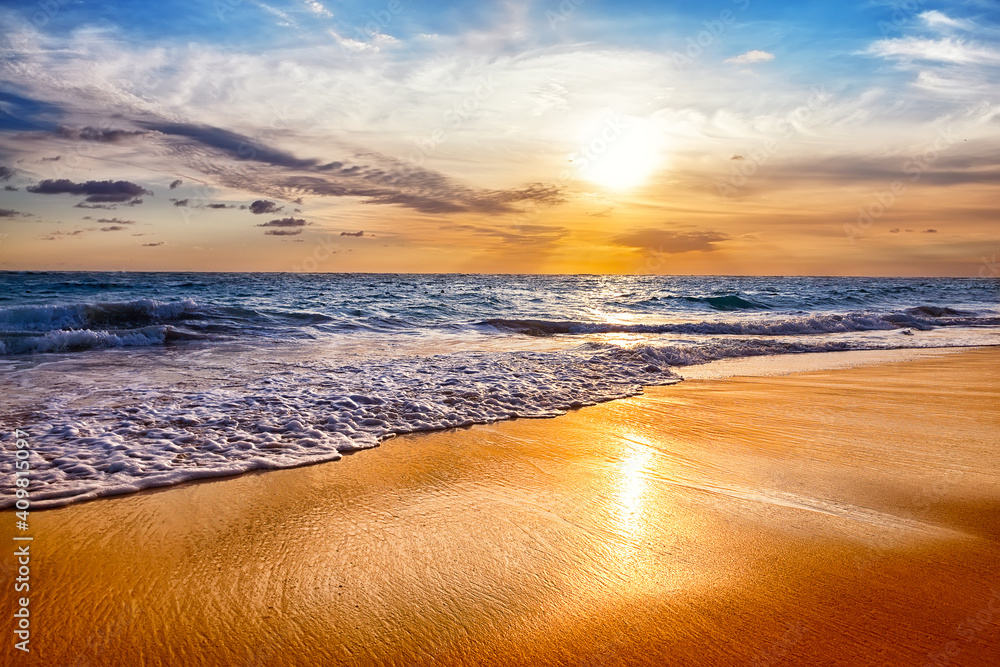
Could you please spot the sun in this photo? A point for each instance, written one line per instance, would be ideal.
(621, 152)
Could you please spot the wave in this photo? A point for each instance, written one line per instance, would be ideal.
(141, 322)
(127, 314)
(728, 302)
(788, 326)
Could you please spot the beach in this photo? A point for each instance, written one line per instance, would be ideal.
(844, 516)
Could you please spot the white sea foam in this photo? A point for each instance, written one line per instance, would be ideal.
(145, 437)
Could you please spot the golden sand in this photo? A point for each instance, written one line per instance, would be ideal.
(841, 517)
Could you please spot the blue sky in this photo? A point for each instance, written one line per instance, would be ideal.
(712, 137)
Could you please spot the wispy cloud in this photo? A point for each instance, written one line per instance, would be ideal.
(666, 241)
(751, 57)
(943, 50)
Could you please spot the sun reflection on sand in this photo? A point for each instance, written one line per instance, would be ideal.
(630, 521)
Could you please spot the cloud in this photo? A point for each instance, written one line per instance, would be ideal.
(152, 245)
(175, 184)
(662, 241)
(935, 19)
(10, 188)
(58, 234)
(115, 221)
(750, 57)
(930, 231)
(10, 213)
(98, 135)
(283, 232)
(285, 222)
(945, 50)
(317, 8)
(261, 206)
(95, 191)
(6, 173)
(391, 182)
(217, 206)
(181, 202)
(236, 145)
(352, 233)
(113, 228)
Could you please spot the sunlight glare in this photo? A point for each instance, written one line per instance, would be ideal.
(621, 153)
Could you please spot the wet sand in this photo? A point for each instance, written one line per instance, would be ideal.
(838, 517)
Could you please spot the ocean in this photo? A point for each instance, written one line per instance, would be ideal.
(128, 381)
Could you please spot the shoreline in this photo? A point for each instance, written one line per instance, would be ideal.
(720, 369)
(832, 516)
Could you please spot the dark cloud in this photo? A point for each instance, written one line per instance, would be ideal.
(737, 157)
(113, 228)
(52, 159)
(96, 192)
(152, 245)
(181, 202)
(236, 145)
(352, 233)
(668, 242)
(10, 188)
(115, 221)
(6, 173)
(894, 230)
(395, 182)
(262, 206)
(98, 134)
(175, 184)
(283, 232)
(217, 206)
(285, 222)
(10, 213)
(930, 231)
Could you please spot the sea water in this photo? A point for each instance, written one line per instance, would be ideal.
(126, 381)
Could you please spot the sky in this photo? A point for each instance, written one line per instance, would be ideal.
(748, 137)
